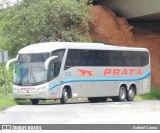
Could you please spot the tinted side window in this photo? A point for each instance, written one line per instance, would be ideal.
(135, 58)
(99, 58)
(106, 58)
(73, 58)
(60, 54)
(113, 58)
(51, 73)
(86, 57)
(144, 58)
(125, 58)
(53, 70)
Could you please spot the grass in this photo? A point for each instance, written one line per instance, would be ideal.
(6, 102)
(153, 95)
(9, 101)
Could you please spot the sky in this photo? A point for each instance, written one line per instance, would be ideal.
(10, 2)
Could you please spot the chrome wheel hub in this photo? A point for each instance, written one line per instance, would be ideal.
(122, 94)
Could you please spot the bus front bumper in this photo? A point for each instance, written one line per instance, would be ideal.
(40, 92)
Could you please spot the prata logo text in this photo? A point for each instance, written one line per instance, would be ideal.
(112, 72)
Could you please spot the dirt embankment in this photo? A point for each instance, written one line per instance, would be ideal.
(109, 28)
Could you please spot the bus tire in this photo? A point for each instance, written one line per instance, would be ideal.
(94, 99)
(131, 94)
(64, 98)
(34, 101)
(122, 95)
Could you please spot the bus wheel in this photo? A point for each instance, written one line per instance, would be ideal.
(64, 96)
(130, 94)
(94, 99)
(34, 101)
(103, 99)
(122, 95)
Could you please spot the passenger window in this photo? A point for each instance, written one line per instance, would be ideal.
(135, 58)
(86, 58)
(81, 57)
(144, 59)
(73, 58)
(127, 58)
(113, 58)
(99, 58)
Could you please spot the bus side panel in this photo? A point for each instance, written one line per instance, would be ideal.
(54, 89)
(146, 85)
(139, 87)
(94, 89)
(143, 86)
(89, 84)
(146, 82)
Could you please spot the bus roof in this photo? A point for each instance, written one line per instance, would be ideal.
(51, 46)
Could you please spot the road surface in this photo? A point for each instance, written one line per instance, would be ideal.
(137, 112)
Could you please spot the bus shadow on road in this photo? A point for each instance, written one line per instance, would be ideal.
(74, 102)
(70, 102)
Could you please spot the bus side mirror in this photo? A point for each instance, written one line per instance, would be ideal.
(48, 61)
(9, 62)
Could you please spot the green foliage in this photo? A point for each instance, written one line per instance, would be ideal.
(6, 102)
(2, 22)
(35, 21)
(153, 95)
(8, 75)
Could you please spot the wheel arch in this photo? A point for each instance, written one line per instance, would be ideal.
(121, 97)
(123, 85)
(134, 86)
(68, 89)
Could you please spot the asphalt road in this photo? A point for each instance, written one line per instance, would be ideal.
(137, 112)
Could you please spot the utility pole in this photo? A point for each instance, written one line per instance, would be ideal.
(3, 59)
(5, 88)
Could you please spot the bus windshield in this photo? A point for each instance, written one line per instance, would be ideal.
(30, 70)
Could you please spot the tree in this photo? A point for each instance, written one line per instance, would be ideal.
(34, 21)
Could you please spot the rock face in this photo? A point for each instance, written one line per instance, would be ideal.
(109, 28)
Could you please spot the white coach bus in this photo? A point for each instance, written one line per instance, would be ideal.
(62, 70)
